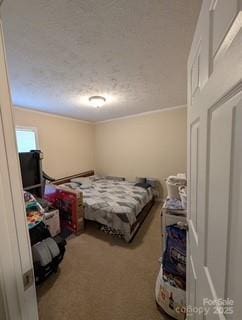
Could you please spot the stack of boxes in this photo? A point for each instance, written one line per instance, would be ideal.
(70, 206)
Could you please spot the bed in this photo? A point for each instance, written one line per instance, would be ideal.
(119, 206)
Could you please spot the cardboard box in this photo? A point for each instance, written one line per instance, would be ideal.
(71, 209)
(77, 193)
(70, 205)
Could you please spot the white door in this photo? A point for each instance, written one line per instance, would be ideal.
(215, 163)
(17, 289)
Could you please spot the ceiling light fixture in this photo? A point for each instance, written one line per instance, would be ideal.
(97, 101)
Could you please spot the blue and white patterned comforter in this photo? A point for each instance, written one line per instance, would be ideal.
(115, 204)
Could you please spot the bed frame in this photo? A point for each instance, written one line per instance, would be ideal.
(141, 216)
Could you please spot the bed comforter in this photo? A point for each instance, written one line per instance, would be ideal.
(115, 204)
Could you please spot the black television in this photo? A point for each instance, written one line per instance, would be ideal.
(31, 171)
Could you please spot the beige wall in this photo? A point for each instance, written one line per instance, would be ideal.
(68, 145)
(152, 145)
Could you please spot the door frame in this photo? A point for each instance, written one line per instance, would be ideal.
(19, 302)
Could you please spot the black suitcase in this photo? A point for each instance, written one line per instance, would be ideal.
(38, 234)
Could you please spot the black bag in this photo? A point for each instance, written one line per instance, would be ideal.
(38, 234)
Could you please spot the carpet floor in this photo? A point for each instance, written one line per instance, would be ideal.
(104, 278)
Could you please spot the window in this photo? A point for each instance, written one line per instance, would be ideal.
(26, 139)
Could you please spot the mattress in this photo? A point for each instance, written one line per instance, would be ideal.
(115, 204)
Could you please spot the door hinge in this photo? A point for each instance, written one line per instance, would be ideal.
(28, 279)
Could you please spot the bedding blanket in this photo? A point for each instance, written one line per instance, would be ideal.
(114, 203)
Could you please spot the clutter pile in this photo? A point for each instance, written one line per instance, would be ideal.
(171, 282)
(34, 211)
(177, 192)
(47, 250)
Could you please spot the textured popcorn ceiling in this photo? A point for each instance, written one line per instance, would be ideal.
(134, 52)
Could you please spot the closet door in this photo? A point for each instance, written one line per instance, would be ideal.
(17, 289)
(215, 163)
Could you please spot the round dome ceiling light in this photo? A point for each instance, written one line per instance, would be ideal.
(97, 101)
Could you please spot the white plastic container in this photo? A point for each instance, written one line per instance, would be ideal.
(52, 220)
(183, 196)
(172, 300)
(173, 183)
(172, 190)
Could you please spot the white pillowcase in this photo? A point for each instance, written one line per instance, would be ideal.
(85, 185)
(81, 180)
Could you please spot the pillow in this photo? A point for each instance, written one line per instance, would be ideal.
(140, 180)
(81, 180)
(85, 185)
(95, 177)
(115, 178)
(144, 185)
(72, 185)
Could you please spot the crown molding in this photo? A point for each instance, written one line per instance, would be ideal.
(52, 115)
(102, 121)
(143, 114)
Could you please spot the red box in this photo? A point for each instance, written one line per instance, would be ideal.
(70, 206)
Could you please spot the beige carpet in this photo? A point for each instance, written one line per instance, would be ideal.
(102, 278)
